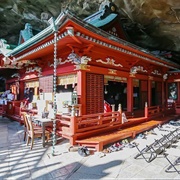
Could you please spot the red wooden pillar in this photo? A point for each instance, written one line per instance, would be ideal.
(163, 93)
(178, 87)
(149, 91)
(6, 86)
(146, 110)
(73, 129)
(81, 90)
(166, 95)
(21, 90)
(130, 94)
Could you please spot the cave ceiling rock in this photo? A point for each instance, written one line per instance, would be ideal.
(154, 24)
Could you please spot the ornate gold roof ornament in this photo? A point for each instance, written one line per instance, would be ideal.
(109, 61)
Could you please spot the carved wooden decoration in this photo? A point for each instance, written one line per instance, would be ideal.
(109, 61)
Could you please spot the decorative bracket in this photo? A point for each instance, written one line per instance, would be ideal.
(16, 75)
(156, 72)
(109, 61)
(135, 69)
(70, 32)
(58, 62)
(165, 76)
(82, 67)
(34, 69)
(150, 77)
(76, 59)
(112, 71)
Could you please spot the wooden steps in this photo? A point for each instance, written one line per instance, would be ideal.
(99, 141)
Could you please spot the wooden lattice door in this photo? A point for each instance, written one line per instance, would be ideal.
(46, 84)
(94, 93)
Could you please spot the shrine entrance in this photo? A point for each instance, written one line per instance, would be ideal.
(156, 93)
(116, 93)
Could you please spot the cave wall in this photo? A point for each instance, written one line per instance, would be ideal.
(153, 24)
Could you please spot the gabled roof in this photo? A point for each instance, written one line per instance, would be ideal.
(102, 22)
(66, 16)
(98, 20)
(109, 21)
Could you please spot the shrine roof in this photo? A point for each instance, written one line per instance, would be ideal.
(102, 22)
(91, 24)
(98, 19)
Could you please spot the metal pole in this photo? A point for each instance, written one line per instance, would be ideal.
(54, 88)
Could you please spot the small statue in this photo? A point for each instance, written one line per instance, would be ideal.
(26, 34)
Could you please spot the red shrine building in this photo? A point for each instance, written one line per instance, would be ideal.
(94, 63)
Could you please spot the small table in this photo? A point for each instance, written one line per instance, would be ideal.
(44, 122)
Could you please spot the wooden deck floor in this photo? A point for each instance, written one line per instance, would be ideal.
(99, 141)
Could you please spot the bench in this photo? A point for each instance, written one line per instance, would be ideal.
(97, 130)
(80, 127)
(99, 141)
(106, 126)
(130, 130)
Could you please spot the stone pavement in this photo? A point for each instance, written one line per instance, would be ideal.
(18, 162)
